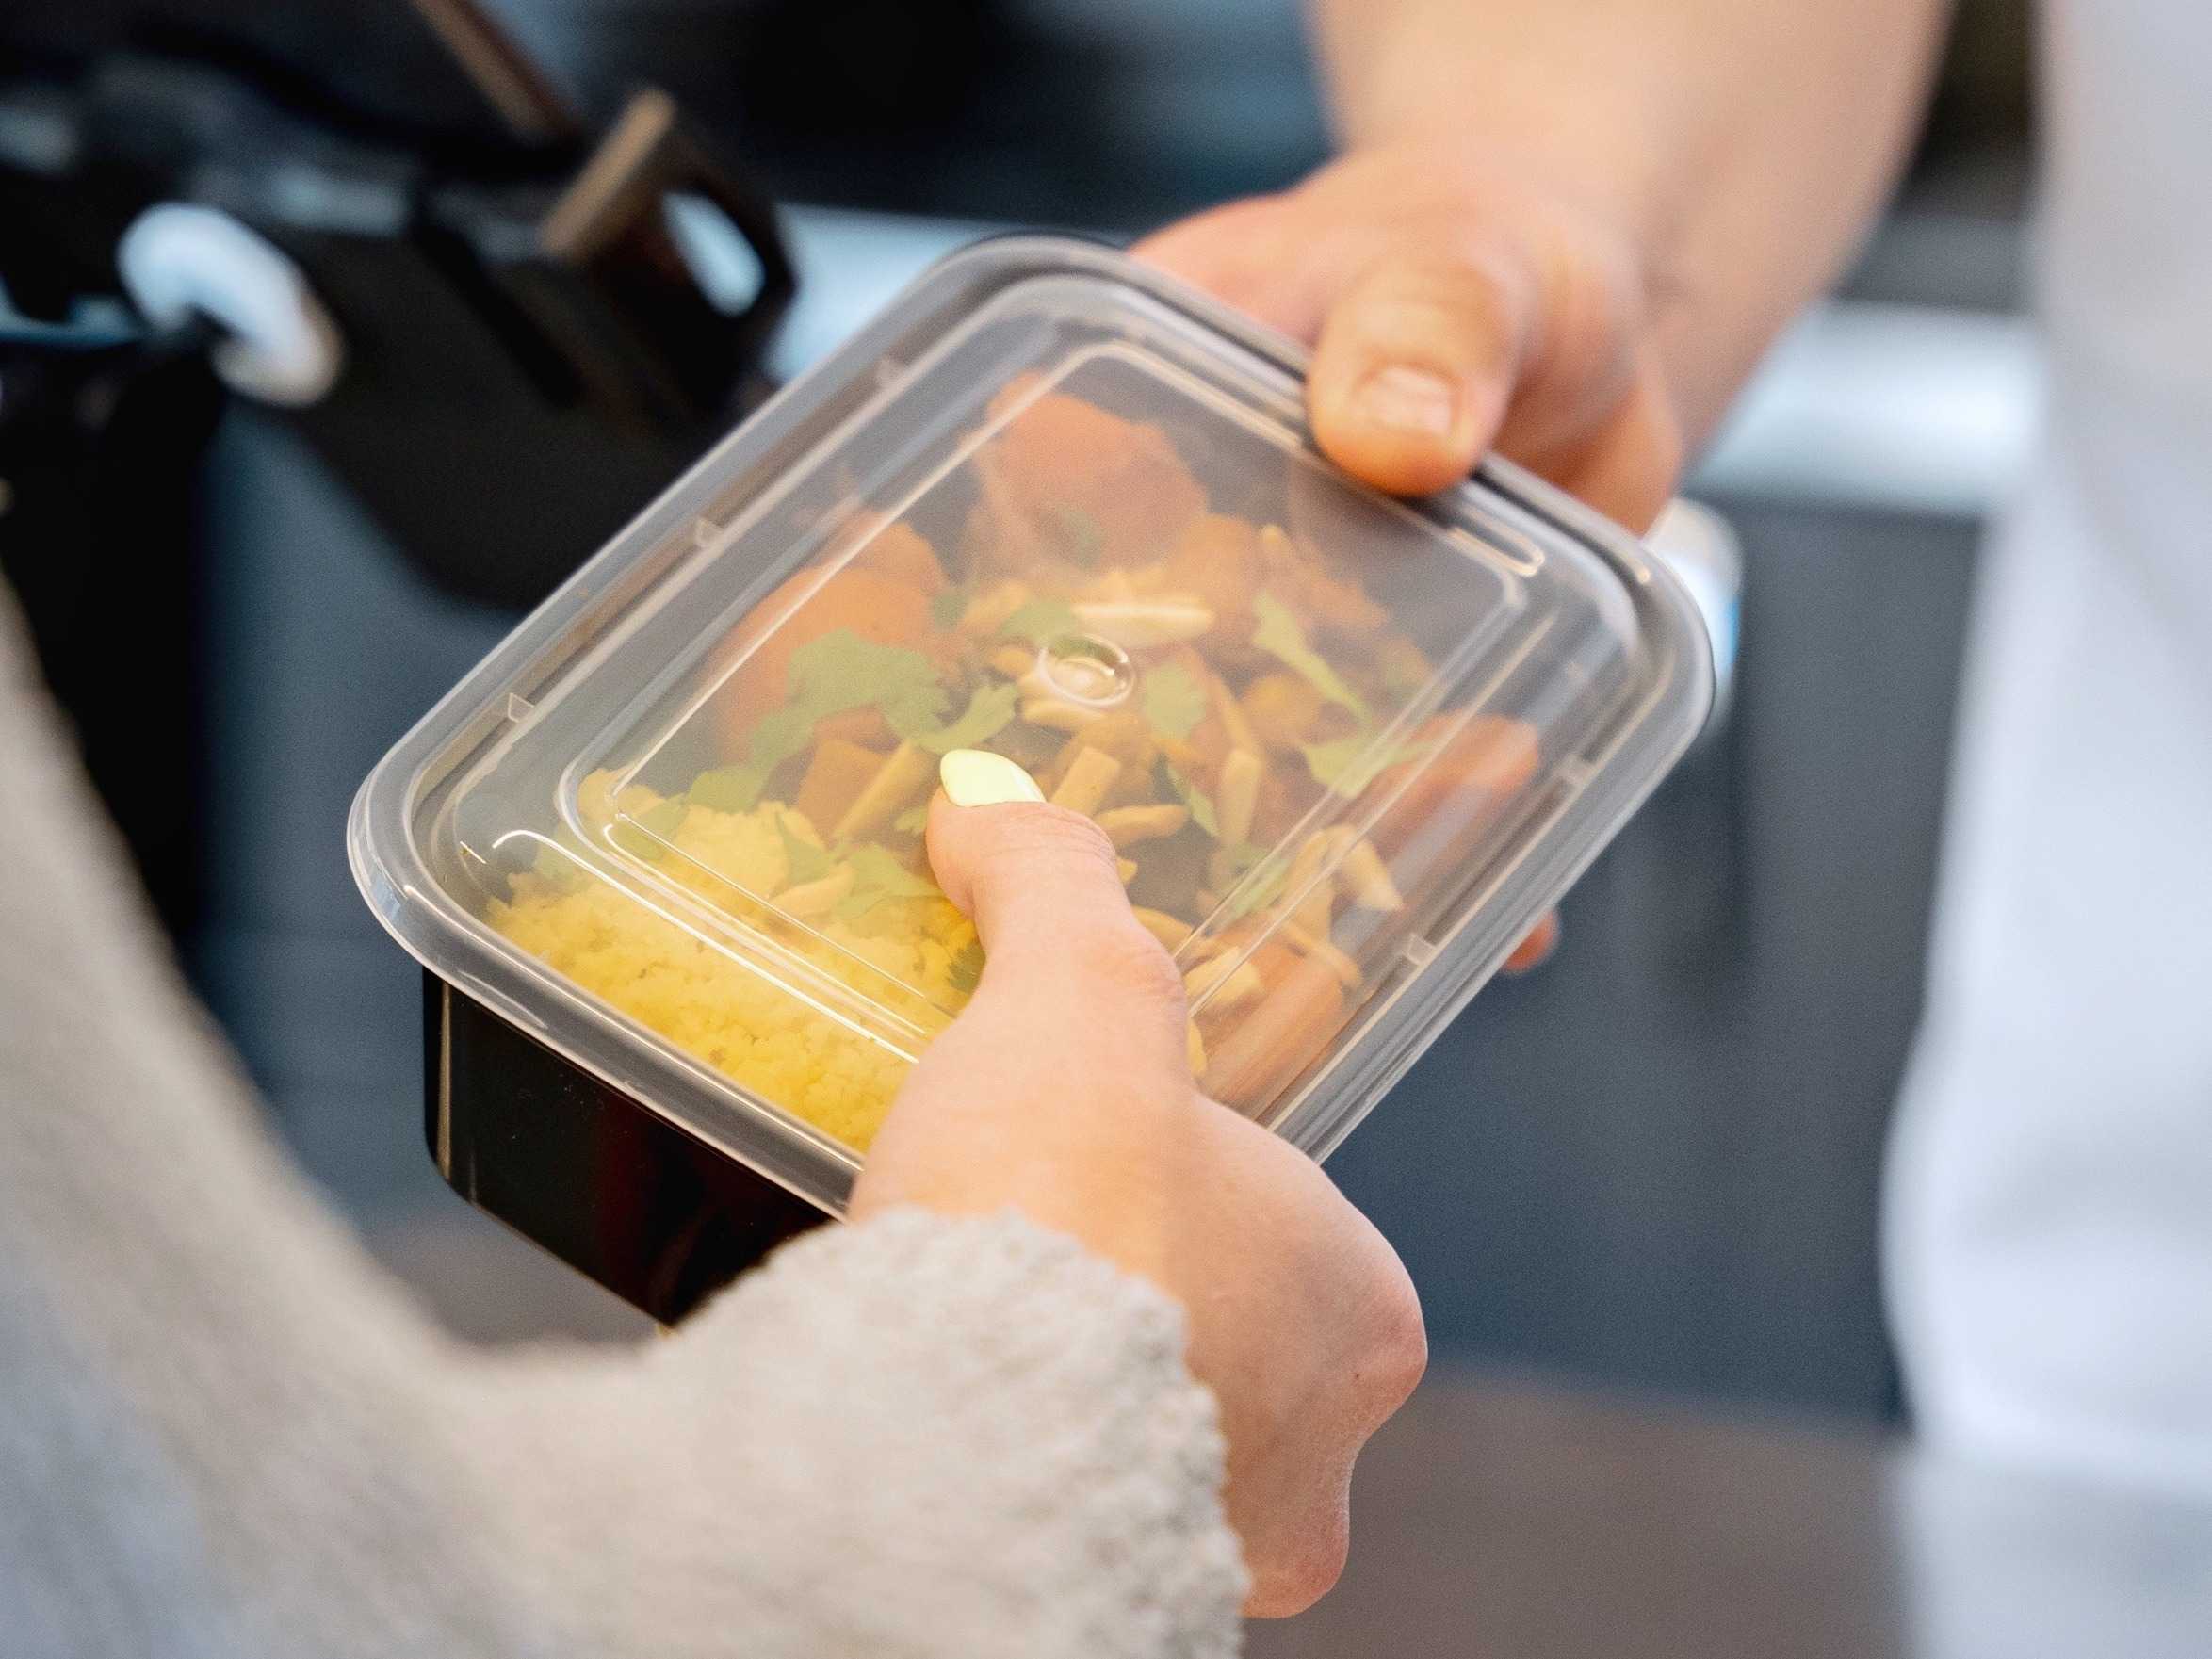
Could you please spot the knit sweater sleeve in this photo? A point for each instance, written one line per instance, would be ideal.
(223, 1432)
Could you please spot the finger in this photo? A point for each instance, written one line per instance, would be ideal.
(1535, 951)
(1236, 253)
(1628, 468)
(1414, 369)
(1044, 889)
(1059, 1088)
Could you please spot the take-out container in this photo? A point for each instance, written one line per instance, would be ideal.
(661, 853)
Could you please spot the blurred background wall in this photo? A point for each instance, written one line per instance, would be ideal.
(1654, 1164)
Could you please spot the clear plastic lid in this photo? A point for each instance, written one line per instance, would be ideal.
(1052, 505)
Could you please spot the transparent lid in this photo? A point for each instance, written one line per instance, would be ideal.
(1054, 506)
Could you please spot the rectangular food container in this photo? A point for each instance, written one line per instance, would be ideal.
(659, 855)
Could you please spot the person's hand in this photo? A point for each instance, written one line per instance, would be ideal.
(1064, 1090)
(1455, 303)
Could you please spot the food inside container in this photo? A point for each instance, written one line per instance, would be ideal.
(1235, 710)
(1055, 507)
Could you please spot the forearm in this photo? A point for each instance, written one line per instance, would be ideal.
(1740, 146)
(223, 1431)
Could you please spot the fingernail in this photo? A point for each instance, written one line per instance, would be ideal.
(1406, 399)
(976, 777)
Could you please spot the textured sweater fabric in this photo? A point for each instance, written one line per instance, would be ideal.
(223, 1433)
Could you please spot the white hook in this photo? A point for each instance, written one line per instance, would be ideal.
(281, 345)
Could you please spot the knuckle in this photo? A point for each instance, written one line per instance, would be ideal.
(1052, 838)
(1437, 293)
(1130, 965)
(1299, 1575)
(1400, 1357)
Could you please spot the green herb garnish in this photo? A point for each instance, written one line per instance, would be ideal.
(802, 860)
(912, 821)
(1348, 765)
(831, 676)
(949, 605)
(1279, 635)
(986, 714)
(967, 967)
(1040, 622)
(1199, 803)
(1175, 702)
(1265, 872)
(878, 875)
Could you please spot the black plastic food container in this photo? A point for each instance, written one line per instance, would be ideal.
(661, 853)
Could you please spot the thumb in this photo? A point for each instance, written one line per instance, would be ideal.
(1414, 368)
(1060, 1086)
(1063, 951)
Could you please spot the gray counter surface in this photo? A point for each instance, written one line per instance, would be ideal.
(1513, 1521)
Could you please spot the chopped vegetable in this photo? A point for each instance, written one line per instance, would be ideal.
(1317, 945)
(804, 861)
(1279, 635)
(1167, 929)
(820, 897)
(967, 970)
(1175, 702)
(988, 711)
(1372, 885)
(1125, 826)
(1283, 711)
(1138, 624)
(1238, 795)
(1040, 621)
(989, 613)
(835, 777)
(877, 876)
(948, 608)
(1271, 1042)
(1056, 715)
(1348, 765)
(1196, 799)
(1089, 776)
(1265, 874)
(902, 775)
(1222, 982)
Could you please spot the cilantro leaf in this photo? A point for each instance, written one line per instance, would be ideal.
(1347, 766)
(726, 788)
(1265, 873)
(1040, 622)
(987, 713)
(802, 860)
(949, 605)
(1175, 702)
(1199, 803)
(878, 875)
(841, 671)
(837, 672)
(967, 967)
(1279, 635)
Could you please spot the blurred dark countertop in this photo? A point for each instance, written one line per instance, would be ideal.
(1509, 1520)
